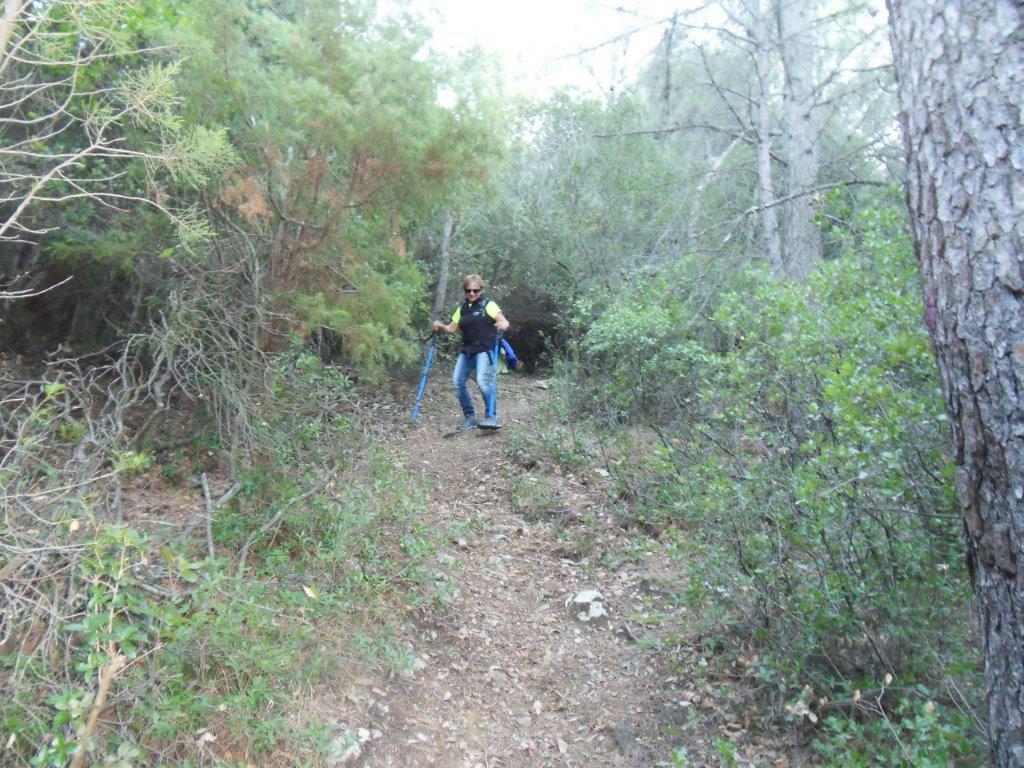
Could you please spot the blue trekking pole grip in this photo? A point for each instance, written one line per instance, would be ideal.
(423, 379)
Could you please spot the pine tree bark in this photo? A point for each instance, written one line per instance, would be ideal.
(801, 134)
(960, 69)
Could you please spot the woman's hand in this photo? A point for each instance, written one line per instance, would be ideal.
(502, 325)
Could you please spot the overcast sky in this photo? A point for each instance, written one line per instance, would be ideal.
(536, 39)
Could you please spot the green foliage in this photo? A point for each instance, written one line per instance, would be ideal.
(126, 128)
(832, 521)
(343, 146)
(287, 149)
(918, 734)
(795, 446)
(206, 648)
(681, 758)
(727, 753)
(578, 206)
(533, 497)
(132, 462)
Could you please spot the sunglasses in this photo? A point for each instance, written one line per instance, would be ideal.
(472, 290)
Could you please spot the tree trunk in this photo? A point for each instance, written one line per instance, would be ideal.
(960, 68)
(446, 260)
(666, 91)
(759, 32)
(800, 134)
(11, 10)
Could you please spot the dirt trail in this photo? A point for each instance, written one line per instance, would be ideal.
(505, 673)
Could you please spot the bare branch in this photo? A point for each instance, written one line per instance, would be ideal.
(29, 294)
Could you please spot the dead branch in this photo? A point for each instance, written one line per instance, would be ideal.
(107, 675)
(209, 514)
(29, 293)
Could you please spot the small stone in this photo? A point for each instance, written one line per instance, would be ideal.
(343, 749)
(586, 597)
(589, 606)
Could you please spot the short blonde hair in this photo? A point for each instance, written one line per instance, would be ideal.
(468, 279)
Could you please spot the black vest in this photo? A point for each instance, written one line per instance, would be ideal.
(476, 326)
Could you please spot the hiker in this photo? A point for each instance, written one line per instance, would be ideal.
(479, 320)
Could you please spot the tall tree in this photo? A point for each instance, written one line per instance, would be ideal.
(444, 265)
(758, 31)
(801, 133)
(799, 86)
(344, 146)
(960, 69)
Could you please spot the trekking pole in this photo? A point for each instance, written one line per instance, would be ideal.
(496, 352)
(423, 379)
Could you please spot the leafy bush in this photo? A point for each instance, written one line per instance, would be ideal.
(921, 735)
(833, 524)
(795, 443)
(193, 644)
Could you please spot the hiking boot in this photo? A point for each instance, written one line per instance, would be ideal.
(468, 423)
(491, 422)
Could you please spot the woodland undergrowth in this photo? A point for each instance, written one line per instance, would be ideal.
(193, 506)
(181, 636)
(787, 449)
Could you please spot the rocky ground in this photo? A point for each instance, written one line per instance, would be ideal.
(509, 670)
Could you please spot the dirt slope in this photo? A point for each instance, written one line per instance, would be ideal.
(505, 674)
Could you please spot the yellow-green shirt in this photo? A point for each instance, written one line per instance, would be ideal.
(492, 309)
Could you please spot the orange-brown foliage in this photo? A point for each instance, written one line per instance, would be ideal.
(245, 195)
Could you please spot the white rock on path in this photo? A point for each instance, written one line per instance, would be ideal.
(343, 749)
(589, 605)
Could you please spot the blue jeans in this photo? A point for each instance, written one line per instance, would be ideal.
(486, 379)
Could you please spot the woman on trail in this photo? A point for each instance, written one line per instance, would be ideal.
(480, 321)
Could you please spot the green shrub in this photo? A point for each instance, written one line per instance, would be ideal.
(823, 502)
(917, 735)
(795, 444)
(207, 647)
